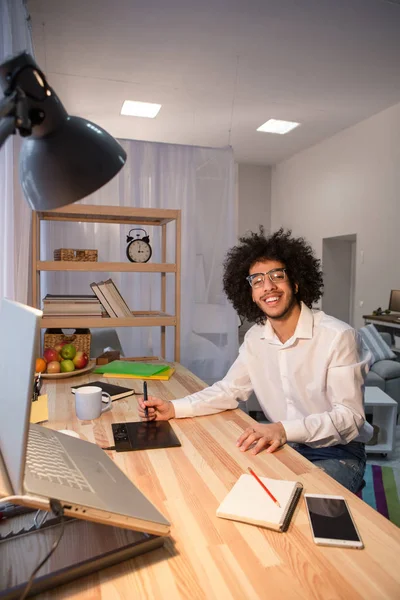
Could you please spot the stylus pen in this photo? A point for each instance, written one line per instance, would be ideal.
(146, 409)
(263, 486)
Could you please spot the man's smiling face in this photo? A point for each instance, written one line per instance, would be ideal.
(275, 298)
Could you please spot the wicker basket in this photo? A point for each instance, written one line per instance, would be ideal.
(75, 255)
(80, 338)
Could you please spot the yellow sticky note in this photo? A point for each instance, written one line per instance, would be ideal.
(40, 410)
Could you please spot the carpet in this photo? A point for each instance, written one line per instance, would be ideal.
(382, 491)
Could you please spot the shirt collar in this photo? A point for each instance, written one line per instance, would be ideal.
(304, 328)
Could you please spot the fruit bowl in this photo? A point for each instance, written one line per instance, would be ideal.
(89, 367)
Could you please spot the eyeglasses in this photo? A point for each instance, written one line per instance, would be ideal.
(275, 275)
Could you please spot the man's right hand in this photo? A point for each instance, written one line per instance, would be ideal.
(158, 410)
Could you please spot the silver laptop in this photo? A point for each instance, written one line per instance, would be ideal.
(40, 464)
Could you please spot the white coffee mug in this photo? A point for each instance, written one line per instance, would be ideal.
(89, 404)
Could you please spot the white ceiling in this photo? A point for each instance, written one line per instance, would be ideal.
(221, 68)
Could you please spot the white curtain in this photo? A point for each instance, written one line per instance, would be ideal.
(15, 214)
(200, 182)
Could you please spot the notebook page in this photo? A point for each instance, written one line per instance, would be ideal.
(248, 501)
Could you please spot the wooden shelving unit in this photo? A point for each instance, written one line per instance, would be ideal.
(122, 215)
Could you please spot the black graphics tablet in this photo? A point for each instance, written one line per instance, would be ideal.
(144, 435)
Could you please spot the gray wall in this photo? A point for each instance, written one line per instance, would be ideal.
(337, 268)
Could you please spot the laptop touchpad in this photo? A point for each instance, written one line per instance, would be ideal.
(99, 473)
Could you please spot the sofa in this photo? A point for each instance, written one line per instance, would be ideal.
(385, 374)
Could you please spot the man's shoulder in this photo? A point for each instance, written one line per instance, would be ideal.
(254, 332)
(324, 321)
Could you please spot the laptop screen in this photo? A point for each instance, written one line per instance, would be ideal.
(394, 302)
(19, 326)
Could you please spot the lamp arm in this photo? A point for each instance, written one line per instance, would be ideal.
(7, 117)
(14, 114)
(7, 104)
(7, 128)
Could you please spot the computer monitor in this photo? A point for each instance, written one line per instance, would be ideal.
(394, 302)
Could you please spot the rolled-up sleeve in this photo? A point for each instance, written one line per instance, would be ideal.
(344, 420)
(223, 395)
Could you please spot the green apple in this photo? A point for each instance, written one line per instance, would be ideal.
(68, 351)
(67, 366)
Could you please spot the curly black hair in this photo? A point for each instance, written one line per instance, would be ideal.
(295, 253)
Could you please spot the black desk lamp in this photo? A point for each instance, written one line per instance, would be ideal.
(63, 158)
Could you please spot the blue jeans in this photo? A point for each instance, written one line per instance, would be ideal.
(345, 463)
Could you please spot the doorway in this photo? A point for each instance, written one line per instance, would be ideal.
(339, 267)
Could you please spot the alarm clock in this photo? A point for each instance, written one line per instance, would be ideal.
(138, 249)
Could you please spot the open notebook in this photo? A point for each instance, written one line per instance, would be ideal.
(249, 503)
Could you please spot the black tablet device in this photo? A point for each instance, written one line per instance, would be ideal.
(144, 435)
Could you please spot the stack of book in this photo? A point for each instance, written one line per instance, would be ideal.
(111, 299)
(72, 305)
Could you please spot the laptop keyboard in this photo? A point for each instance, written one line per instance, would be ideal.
(47, 460)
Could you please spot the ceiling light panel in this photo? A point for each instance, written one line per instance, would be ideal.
(131, 108)
(276, 126)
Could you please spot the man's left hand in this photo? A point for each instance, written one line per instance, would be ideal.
(270, 436)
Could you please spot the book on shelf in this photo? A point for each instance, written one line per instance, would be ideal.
(73, 308)
(110, 285)
(112, 301)
(248, 502)
(113, 297)
(68, 305)
(70, 297)
(117, 392)
(100, 295)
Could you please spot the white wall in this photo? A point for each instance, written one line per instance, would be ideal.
(349, 184)
(254, 198)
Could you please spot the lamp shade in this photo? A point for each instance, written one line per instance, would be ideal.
(65, 166)
(63, 158)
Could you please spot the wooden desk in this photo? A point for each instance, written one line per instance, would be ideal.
(210, 558)
(389, 320)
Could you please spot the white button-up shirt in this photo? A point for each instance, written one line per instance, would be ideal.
(313, 383)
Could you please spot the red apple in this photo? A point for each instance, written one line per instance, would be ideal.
(59, 345)
(53, 367)
(50, 355)
(80, 359)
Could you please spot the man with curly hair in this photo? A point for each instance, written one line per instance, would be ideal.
(305, 367)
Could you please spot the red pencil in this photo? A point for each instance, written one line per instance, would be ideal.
(263, 486)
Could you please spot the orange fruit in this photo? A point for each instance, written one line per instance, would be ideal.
(41, 365)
